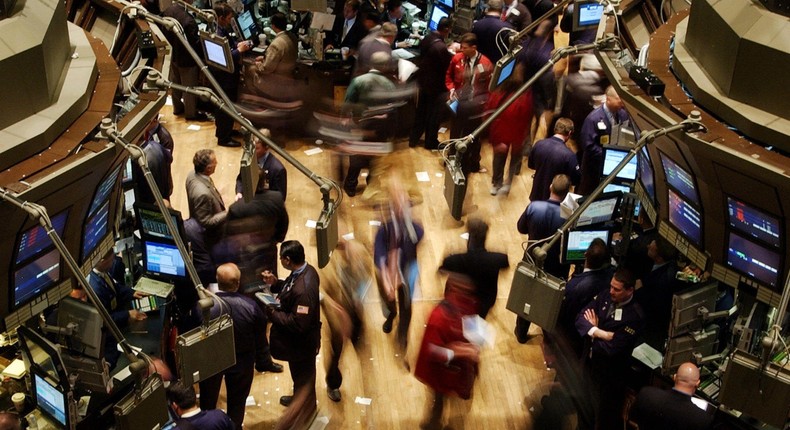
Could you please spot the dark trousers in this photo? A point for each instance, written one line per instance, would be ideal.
(183, 102)
(404, 307)
(238, 381)
(498, 170)
(334, 378)
(303, 376)
(355, 165)
(466, 120)
(222, 120)
(522, 327)
(427, 119)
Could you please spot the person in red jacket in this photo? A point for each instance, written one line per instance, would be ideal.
(509, 130)
(447, 362)
(467, 82)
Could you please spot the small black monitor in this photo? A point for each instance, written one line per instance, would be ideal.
(646, 173)
(437, 13)
(216, 51)
(576, 242)
(163, 260)
(685, 217)
(617, 188)
(753, 222)
(103, 191)
(51, 399)
(35, 239)
(247, 25)
(686, 305)
(503, 69)
(449, 4)
(612, 156)
(587, 14)
(679, 179)
(35, 278)
(96, 229)
(602, 210)
(87, 337)
(754, 260)
(152, 222)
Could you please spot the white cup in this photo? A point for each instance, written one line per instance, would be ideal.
(415, 28)
(344, 52)
(262, 40)
(19, 401)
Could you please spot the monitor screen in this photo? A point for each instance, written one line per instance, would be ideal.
(50, 399)
(437, 13)
(754, 260)
(247, 25)
(612, 157)
(87, 337)
(646, 173)
(576, 242)
(611, 188)
(216, 51)
(679, 179)
(587, 14)
(152, 222)
(103, 192)
(96, 229)
(506, 71)
(447, 3)
(753, 222)
(164, 260)
(36, 277)
(600, 211)
(685, 217)
(36, 239)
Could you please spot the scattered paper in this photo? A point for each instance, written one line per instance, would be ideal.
(442, 129)
(363, 401)
(250, 401)
(423, 177)
(364, 174)
(376, 223)
(168, 101)
(478, 331)
(439, 174)
(310, 224)
(193, 127)
(465, 236)
(349, 236)
(313, 151)
(648, 355)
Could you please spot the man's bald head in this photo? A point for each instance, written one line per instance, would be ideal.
(228, 276)
(687, 378)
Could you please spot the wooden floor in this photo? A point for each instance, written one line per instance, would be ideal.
(512, 376)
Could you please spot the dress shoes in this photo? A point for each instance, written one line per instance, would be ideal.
(270, 367)
(333, 394)
(230, 143)
(237, 133)
(521, 339)
(201, 117)
(286, 400)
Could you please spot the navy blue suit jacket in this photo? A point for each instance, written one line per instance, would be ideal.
(550, 157)
(275, 175)
(668, 409)
(488, 30)
(626, 329)
(540, 220)
(596, 126)
(122, 296)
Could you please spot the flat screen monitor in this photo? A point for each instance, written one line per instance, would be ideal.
(600, 211)
(103, 192)
(576, 242)
(96, 229)
(756, 261)
(611, 188)
(646, 173)
(50, 399)
(449, 4)
(753, 222)
(163, 260)
(87, 338)
(437, 13)
(686, 305)
(152, 222)
(247, 25)
(612, 156)
(680, 179)
(35, 239)
(503, 69)
(685, 217)
(35, 278)
(216, 51)
(587, 14)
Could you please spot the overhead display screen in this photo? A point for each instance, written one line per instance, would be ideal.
(36, 277)
(646, 173)
(612, 157)
(36, 239)
(680, 179)
(754, 222)
(103, 192)
(754, 260)
(685, 217)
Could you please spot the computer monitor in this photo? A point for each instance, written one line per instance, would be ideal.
(216, 51)
(682, 349)
(611, 188)
(96, 229)
(103, 191)
(576, 242)
(754, 223)
(685, 217)
(751, 259)
(645, 174)
(437, 13)
(247, 25)
(51, 399)
(587, 14)
(35, 239)
(449, 4)
(35, 278)
(686, 305)
(152, 222)
(163, 260)
(679, 179)
(612, 156)
(87, 338)
(503, 69)
(601, 210)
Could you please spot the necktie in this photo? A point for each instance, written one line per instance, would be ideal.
(289, 282)
(504, 13)
(345, 30)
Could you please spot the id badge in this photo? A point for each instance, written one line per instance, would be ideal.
(618, 314)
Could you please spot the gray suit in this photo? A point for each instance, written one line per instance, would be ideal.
(205, 202)
(281, 56)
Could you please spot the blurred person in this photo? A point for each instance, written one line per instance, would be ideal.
(584, 91)
(535, 54)
(610, 325)
(296, 324)
(183, 402)
(493, 33)
(540, 220)
(205, 201)
(344, 282)
(467, 81)
(433, 61)
(375, 41)
(116, 299)
(200, 252)
(10, 421)
(509, 130)
(273, 175)
(596, 131)
(395, 257)
(185, 70)
(228, 82)
(480, 265)
(249, 332)
(448, 363)
(157, 144)
(348, 28)
(549, 158)
(657, 409)
(516, 14)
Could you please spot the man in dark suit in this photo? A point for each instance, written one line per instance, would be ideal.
(183, 401)
(656, 290)
(492, 33)
(657, 409)
(433, 62)
(596, 130)
(550, 157)
(205, 202)
(229, 82)
(273, 176)
(516, 14)
(249, 332)
(296, 323)
(184, 71)
(348, 29)
(394, 13)
(610, 324)
(157, 144)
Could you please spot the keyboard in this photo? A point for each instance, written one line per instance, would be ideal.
(154, 287)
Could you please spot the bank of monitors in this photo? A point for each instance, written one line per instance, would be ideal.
(685, 217)
(680, 179)
(97, 220)
(587, 14)
(754, 223)
(162, 260)
(576, 242)
(35, 239)
(247, 25)
(612, 156)
(601, 210)
(216, 51)
(35, 277)
(753, 259)
(437, 13)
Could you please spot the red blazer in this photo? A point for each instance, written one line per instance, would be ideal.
(482, 74)
(512, 126)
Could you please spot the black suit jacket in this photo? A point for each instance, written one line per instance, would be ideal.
(483, 268)
(273, 174)
(353, 37)
(296, 325)
(433, 61)
(657, 409)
